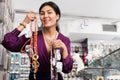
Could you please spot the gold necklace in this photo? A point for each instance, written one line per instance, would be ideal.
(33, 44)
(50, 41)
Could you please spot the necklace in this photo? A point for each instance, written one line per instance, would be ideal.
(33, 44)
(53, 61)
(49, 42)
(33, 49)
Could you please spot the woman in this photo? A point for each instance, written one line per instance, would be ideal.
(48, 37)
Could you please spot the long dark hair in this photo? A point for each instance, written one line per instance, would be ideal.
(55, 8)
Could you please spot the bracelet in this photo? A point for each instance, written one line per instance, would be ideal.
(22, 25)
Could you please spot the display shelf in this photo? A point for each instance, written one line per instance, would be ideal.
(105, 66)
(110, 60)
(20, 66)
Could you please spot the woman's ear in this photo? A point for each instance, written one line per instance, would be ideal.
(58, 17)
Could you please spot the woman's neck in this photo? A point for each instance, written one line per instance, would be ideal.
(50, 33)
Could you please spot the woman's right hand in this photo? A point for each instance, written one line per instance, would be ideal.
(31, 16)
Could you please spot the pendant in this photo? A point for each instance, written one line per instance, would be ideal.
(35, 57)
(35, 64)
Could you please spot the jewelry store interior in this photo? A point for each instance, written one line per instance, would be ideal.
(93, 29)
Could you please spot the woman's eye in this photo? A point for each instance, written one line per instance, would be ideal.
(41, 13)
(44, 13)
(49, 12)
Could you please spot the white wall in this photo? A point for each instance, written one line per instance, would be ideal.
(84, 27)
(90, 26)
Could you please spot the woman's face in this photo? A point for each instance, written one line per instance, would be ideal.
(48, 16)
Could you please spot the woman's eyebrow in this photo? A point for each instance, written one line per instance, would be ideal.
(46, 10)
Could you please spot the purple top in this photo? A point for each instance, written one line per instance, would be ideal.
(14, 43)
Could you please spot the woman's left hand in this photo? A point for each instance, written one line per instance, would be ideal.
(58, 44)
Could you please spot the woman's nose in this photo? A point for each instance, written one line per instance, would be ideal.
(46, 14)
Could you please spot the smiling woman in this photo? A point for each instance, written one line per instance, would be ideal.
(45, 43)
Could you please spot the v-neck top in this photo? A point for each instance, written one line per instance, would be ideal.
(14, 43)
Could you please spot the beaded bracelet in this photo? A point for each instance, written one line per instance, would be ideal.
(22, 25)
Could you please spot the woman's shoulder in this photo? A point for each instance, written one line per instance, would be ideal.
(63, 37)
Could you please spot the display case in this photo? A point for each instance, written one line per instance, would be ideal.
(20, 66)
(103, 67)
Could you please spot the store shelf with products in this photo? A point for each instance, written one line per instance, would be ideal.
(20, 66)
(104, 66)
(100, 48)
(84, 44)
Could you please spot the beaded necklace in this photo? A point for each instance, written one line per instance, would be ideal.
(53, 58)
(34, 56)
(33, 49)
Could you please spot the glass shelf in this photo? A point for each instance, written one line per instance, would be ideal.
(105, 66)
(110, 61)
